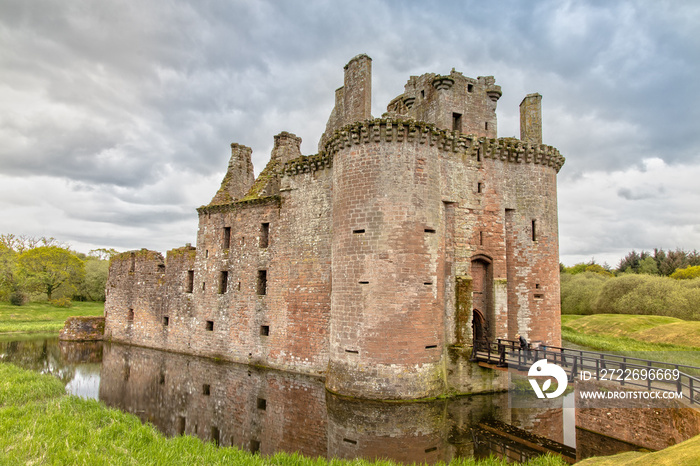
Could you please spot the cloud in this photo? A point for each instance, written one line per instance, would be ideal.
(122, 114)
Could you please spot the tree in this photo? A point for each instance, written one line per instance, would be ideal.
(648, 266)
(8, 271)
(92, 288)
(47, 268)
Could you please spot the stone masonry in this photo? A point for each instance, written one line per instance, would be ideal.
(373, 263)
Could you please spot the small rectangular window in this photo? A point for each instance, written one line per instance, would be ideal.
(223, 282)
(478, 154)
(264, 235)
(480, 188)
(486, 125)
(254, 446)
(352, 351)
(227, 238)
(350, 441)
(166, 321)
(481, 238)
(457, 122)
(189, 287)
(265, 330)
(357, 232)
(262, 282)
(470, 87)
(210, 325)
(130, 315)
(429, 230)
(262, 404)
(206, 389)
(431, 346)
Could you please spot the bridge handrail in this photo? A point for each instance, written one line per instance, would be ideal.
(592, 360)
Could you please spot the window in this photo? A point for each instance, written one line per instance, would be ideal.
(130, 315)
(481, 238)
(166, 321)
(215, 435)
(223, 282)
(262, 282)
(357, 232)
(264, 235)
(206, 389)
(480, 188)
(534, 230)
(486, 125)
(470, 87)
(210, 326)
(189, 287)
(478, 154)
(265, 330)
(262, 404)
(227, 237)
(457, 122)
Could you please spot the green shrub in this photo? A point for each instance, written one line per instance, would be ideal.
(687, 273)
(580, 291)
(64, 302)
(17, 298)
(614, 290)
(658, 296)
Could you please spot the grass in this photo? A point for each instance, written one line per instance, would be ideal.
(658, 338)
(685, 453)
(42, 317)
(40, 424)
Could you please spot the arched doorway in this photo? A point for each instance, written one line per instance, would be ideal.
(478, 326)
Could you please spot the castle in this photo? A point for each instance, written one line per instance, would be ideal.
(374, 263)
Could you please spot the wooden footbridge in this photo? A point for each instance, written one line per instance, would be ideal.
(631, 372)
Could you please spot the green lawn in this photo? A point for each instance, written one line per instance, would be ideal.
(42, 317)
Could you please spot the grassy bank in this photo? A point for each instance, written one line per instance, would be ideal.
(40, 424)
(42, 317)
(648, 337)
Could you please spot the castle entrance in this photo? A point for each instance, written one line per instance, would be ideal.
(482, 296)
(478, 326)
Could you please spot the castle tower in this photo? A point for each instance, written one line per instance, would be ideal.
(387, 321)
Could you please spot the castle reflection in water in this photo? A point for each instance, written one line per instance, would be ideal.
(266, 411)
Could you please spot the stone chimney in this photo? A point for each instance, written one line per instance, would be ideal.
(531, 119)
(239, 175)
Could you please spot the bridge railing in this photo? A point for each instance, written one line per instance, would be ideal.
(625, 370)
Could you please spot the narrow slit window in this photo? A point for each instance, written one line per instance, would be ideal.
(539, 296)
(428, 450)
(457, 122)
(262, 282)
(130, 315)
(264, 235)
(204, 286)
(364, 283)
(534, 230)
(481, 238)
(265, 330)
(429, 230)
(422, 94)
(351, 442)
(480, 188)
(431, 346)
(486, 125)
(352, 351)
(210, 326)
(227, 237)
(478, 154)
(181, 425)
(189, 287)
(206, 389)
(161, 379)
(427, 283)
(357, 232)
(215, 435)
(166, 321)
(223, 282)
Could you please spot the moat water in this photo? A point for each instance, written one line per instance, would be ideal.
(266, 411)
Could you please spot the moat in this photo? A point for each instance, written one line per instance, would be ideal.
(266, 411)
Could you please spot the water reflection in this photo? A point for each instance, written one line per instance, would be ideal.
(76, 364)
(267, 411)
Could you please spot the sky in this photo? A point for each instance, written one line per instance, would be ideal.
(116, 117)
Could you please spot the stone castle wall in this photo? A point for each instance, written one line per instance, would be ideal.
(368, 261)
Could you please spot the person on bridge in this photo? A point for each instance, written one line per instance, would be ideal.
(524, 346)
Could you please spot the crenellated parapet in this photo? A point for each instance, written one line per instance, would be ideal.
(398, 130)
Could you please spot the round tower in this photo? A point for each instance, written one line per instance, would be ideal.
(387, 325)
